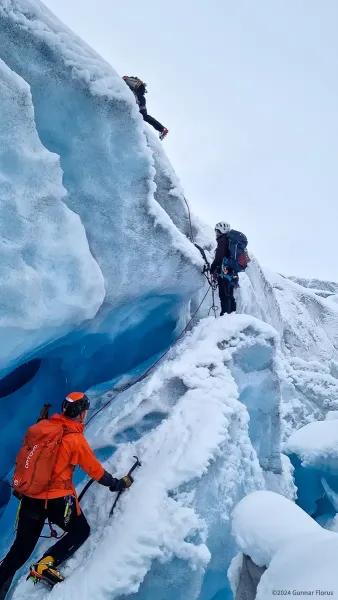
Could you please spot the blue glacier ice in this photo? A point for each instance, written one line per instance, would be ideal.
(82, 287)
(99, 276)
(313, 451)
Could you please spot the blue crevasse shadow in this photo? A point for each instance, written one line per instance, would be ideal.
(112, 344)
(317, 487)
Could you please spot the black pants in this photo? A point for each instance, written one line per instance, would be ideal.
(151, 120)
(31, 520)
(226, 296)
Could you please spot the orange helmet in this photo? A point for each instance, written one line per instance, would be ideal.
(75, 404)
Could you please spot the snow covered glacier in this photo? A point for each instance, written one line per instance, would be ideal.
(78, 273)
(98, 277)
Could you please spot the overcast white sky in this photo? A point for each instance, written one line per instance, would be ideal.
(249, 92)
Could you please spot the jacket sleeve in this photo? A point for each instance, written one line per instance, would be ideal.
(108, 480)
(222, 250)
(88, 461)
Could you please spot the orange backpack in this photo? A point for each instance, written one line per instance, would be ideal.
(36, 459)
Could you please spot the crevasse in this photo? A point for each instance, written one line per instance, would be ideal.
(98, 277)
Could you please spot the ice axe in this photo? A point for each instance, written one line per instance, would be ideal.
(135, 465)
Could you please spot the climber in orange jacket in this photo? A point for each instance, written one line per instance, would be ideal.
(53, 496)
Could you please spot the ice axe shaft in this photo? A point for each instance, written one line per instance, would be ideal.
(135, 465)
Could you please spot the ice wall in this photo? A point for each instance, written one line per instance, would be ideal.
(308, 328)
(190, 427)
(95, 275)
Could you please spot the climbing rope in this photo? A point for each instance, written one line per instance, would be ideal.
(144, 375)
(206, 269)
(53, 533)
(212, 282)
(190, 224)
(214, 308)
(139, 379)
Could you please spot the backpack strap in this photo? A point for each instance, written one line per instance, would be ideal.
(62, 484)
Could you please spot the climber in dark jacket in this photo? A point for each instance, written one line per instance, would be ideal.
(225, 286)
(139, 90)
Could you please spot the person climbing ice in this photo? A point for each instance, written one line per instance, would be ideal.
(43, 481)
(139, 90)
(231, 257)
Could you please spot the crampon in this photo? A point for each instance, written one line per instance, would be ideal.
(49, 576)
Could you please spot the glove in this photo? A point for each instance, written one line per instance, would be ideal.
(122, 484)
(214, 276)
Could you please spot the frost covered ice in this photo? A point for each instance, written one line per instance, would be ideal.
(187, 424)
(316, 444)
(308, 328)
(313, 451)
(299, 555)
(80, 222)
(46, 278)
(97, 279)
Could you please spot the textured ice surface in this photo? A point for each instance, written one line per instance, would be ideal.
(98, 277)
(313, 451)
(48, 276)
(191, 430)
(299, 554)
(316, 444)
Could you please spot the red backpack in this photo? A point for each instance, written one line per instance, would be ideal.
(36, 459)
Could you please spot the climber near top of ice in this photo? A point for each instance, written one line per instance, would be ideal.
(138, 87)
(231, 257)
(43, 482)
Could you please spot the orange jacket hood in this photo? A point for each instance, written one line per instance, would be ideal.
(72, 425)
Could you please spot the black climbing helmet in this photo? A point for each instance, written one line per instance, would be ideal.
(75, 404)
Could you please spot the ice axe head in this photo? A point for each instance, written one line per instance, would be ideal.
(136, 464)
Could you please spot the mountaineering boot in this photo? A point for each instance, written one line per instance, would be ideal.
(164, 133)
(44, 571)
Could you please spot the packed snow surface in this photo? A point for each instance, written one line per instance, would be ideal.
(98, 277)
(264, 521)
(315, 442)
(299, 555)
(313, 452)
(197, 462)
